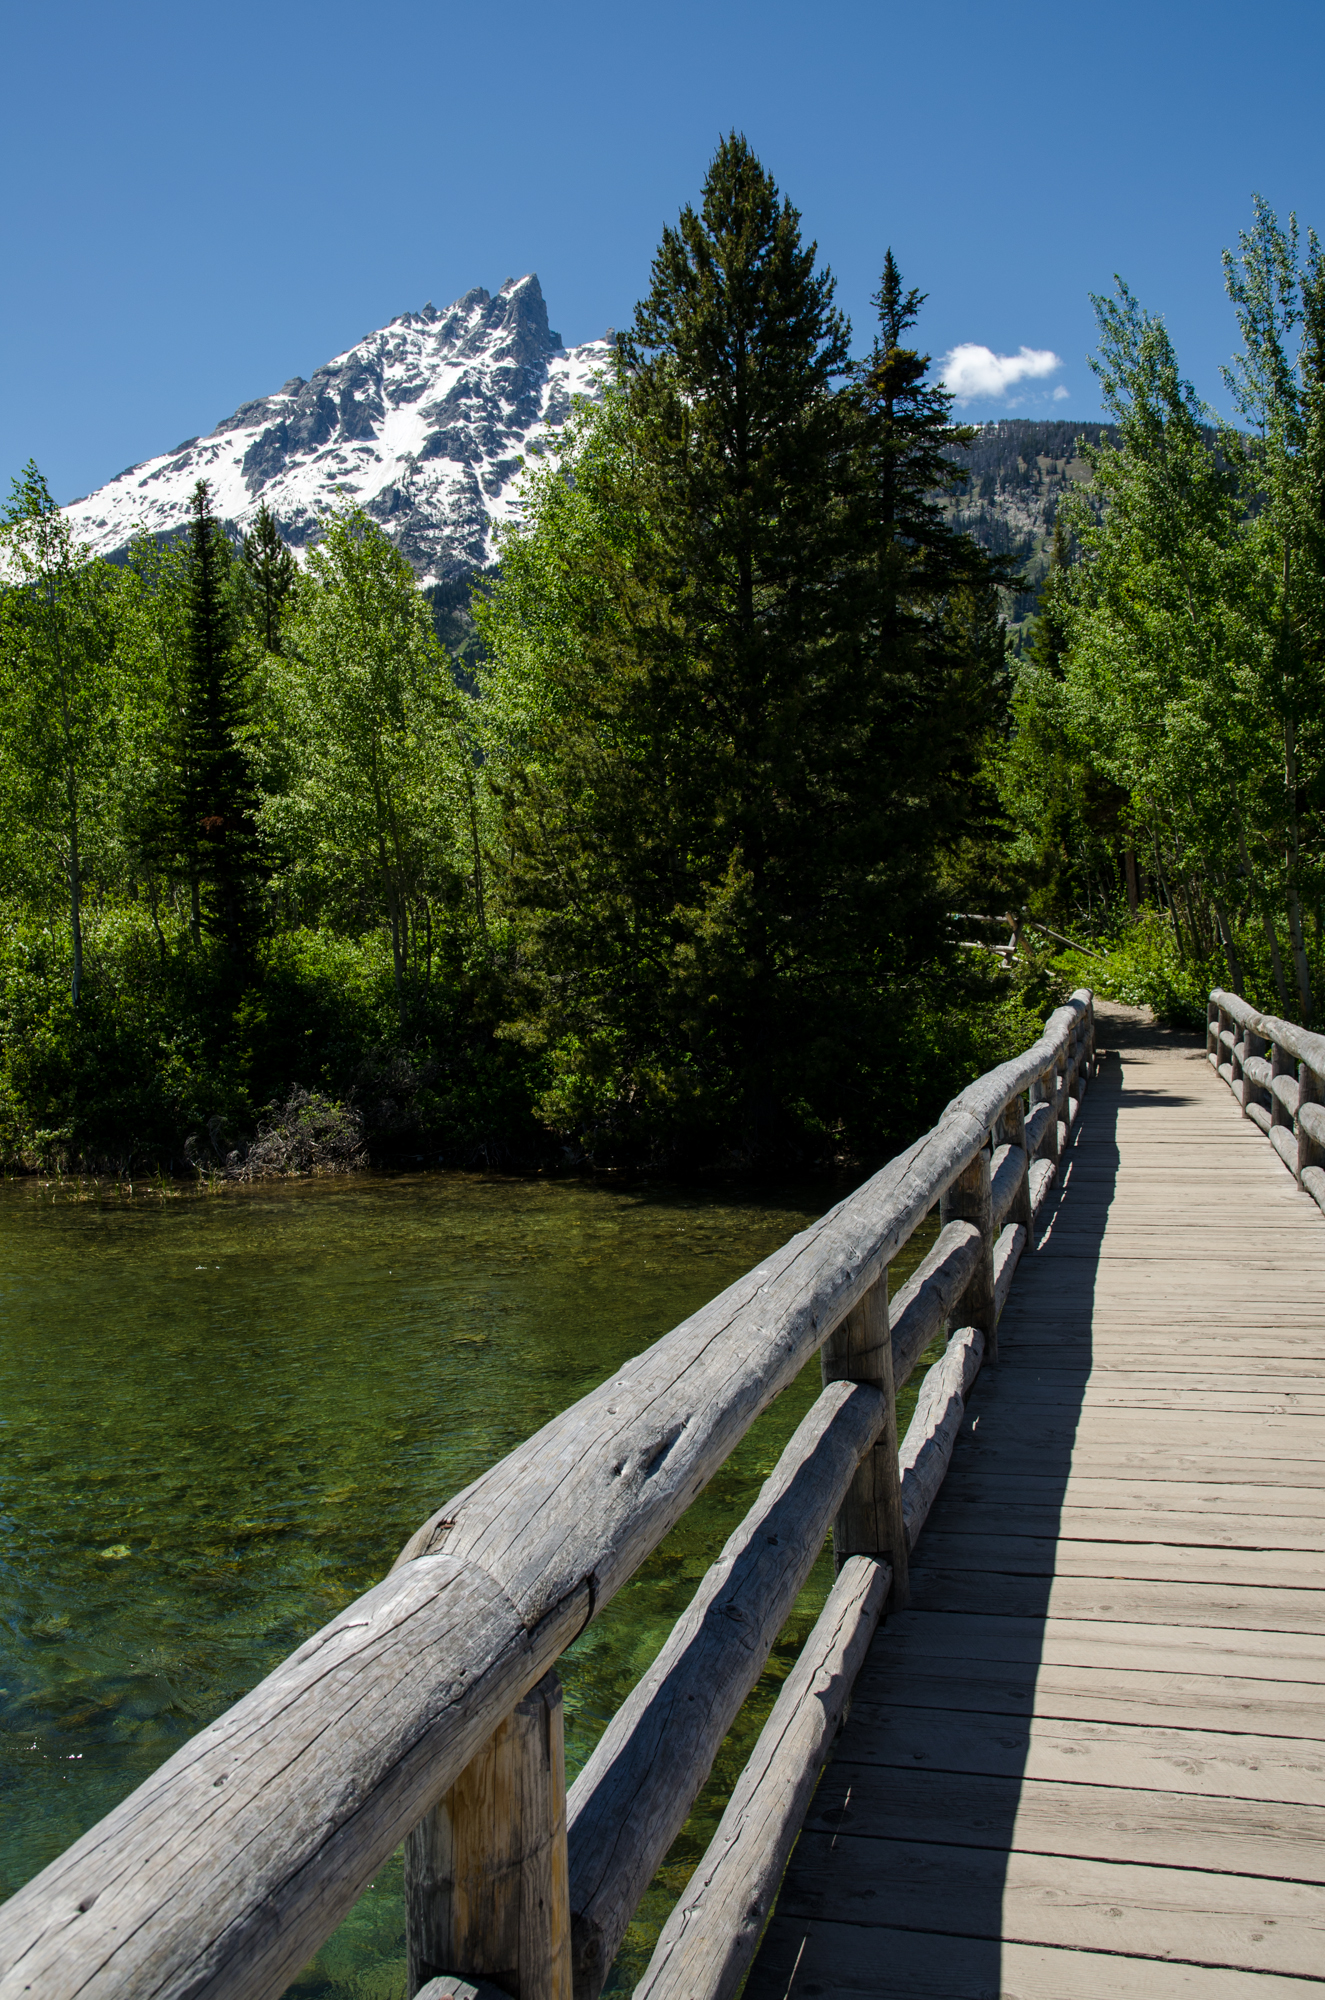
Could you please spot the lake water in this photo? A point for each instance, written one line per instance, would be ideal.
(223, 1413)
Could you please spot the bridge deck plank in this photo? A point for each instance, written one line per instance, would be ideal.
(1090, 1758)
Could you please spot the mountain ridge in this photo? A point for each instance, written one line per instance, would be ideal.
(424, 423)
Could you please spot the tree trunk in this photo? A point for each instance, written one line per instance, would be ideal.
(1261, 905)
(479, 910)
(156, 917)
(1231, 959)
(75, 909)
(1167, 894)
(1296, 939)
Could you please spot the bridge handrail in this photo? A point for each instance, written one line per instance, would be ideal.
(1283, 1093)
(229, 1866)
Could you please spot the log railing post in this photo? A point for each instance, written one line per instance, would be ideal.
(1062, 1115)
(1235, 1054)
(487, 1893)
(1252, 1045)
(1014, 1134)
(870, 1521)
(1212, 1025)
(1219, 1043)
(969, 1200)
(1044, 1090)
(1281, 1064)
(1310, 1090)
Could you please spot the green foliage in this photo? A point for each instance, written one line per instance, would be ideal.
(162, 1063)
(269, 573)
(1144, 968)
(1169, 719)
(738, 667)
(57, 722)
(381, 784)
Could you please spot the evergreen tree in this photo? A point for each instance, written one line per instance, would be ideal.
(932, 614)
(203, 820)
(270, 572)
(722, 760)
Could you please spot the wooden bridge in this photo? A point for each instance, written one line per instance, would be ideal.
(1089, 1760)
(1085, 1755)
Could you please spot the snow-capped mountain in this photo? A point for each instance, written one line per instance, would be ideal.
(423, 425)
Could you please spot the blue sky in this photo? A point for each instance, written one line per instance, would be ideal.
(201, 202)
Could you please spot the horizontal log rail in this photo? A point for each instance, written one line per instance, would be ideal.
(1276, 1070)
(429, 1711)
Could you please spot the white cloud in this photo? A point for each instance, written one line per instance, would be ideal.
(972, 371)
(1061, 394)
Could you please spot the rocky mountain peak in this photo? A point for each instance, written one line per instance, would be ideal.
(423, 423)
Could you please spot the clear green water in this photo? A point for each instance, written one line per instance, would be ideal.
(223, 1414)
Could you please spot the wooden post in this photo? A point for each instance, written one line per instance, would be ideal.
(1014, 1134)
(1212, 1021)
(1310, 1090)
(1281, 1064)
(486, 1880)
(1251, 1046)
(1062, 1091)
(1044, 1090)
(1235, 1055)
(1076, 1062)
(871, 1522)
(969, 1200)
(1223, 1024)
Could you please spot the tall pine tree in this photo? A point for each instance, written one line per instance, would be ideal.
(725, 825)
(200, 823)
(270, 572)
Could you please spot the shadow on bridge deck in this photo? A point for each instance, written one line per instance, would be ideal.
(904, 1857)
(1088, 1763)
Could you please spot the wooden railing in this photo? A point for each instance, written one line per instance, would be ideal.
(1276, 1070)
(429, 1711)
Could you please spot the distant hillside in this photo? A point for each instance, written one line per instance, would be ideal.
(1018, 471)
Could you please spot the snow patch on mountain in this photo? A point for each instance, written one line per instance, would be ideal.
(423, 425)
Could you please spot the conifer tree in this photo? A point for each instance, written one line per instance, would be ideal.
(270, 572)
(723, 690)
(725, 824)
(202, 821)
(932, 588)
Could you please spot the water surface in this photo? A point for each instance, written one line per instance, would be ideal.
(223, 1413)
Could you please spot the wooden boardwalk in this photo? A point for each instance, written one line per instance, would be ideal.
(1089, 1762)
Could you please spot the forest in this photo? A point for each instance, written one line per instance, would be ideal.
(660, 869)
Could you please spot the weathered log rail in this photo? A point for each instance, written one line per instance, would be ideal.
(429, 1711)
(1276, 1070)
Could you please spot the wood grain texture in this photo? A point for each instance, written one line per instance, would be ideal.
(632, 1797)
(930, 1294)
(227, 1868)
(1007, 1183)
(870, 1520)
(969, 1199)
(927, 1448)
(714, 1930)
(485, 1870)
(1007, 1256)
